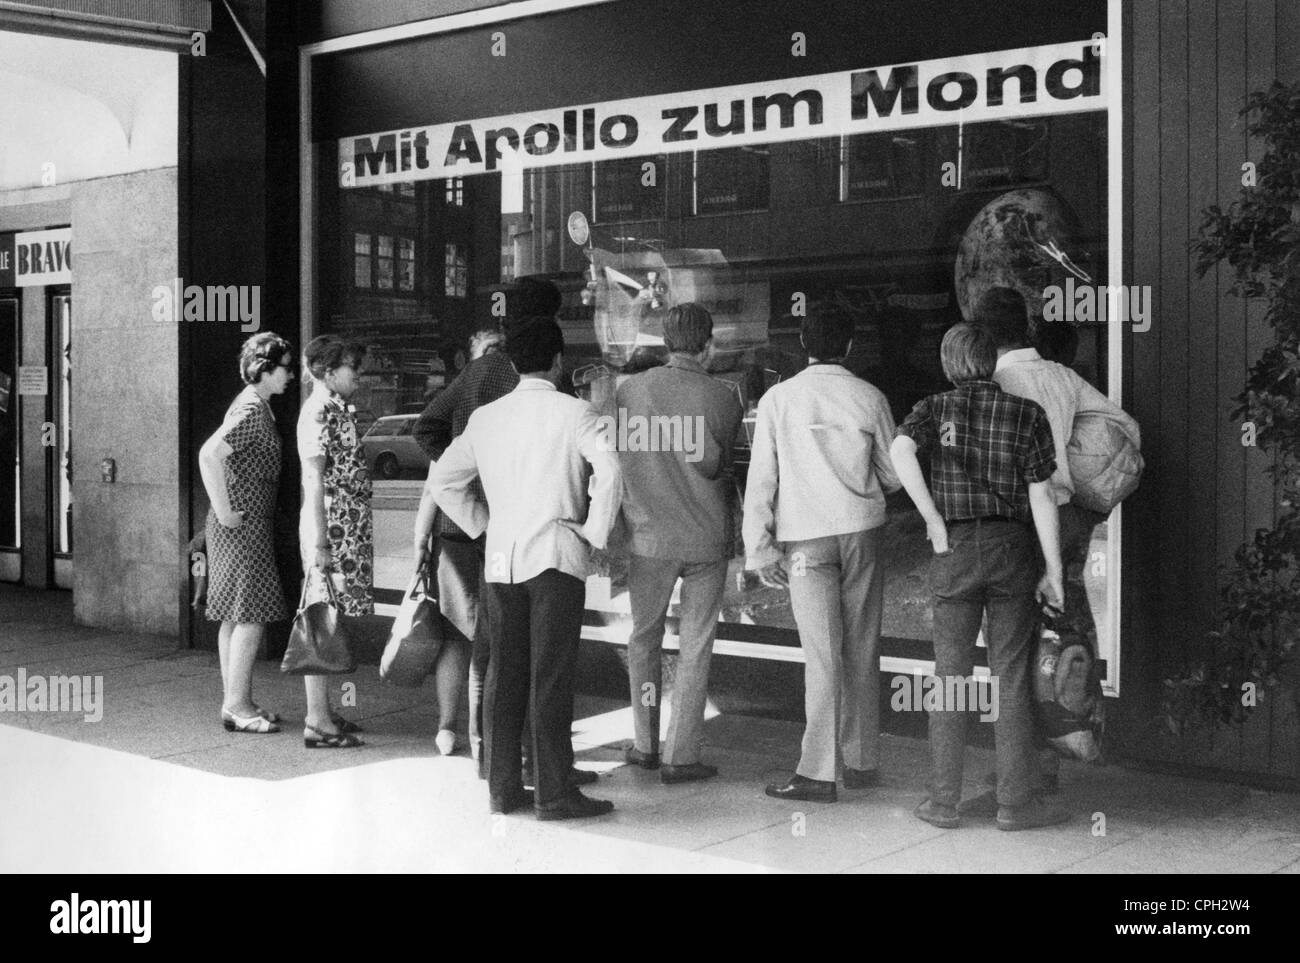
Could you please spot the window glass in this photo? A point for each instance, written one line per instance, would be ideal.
(406, 263)
(384, 263)
(898, 227)
(361, 260)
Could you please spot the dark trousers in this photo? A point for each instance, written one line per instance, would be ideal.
(460, 575)
(534, 628)
(993, 568)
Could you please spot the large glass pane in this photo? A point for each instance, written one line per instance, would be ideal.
(872, 221)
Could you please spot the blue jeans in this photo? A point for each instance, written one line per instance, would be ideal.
(993, 567)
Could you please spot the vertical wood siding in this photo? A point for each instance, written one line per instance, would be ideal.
(1189, 66)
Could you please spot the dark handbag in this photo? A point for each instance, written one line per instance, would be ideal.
(318, 643)
(416, 638)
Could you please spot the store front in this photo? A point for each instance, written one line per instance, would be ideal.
(88, 227)
(871, 166)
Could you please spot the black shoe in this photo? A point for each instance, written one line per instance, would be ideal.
(577, 777)
(937, 814)
(983, 806)
(861, 778)
(516, 800)
(691, 772)
(575, 806)
(646, 760)
(804, 789)
(1032, 815)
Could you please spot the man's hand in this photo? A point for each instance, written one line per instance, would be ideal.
(774, 575)
(1051, 589)
(230, 519)
(937, 532)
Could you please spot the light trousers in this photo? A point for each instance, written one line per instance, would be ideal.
(650, 585)
(837, 595)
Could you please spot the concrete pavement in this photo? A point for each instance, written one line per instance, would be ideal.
(158, 786)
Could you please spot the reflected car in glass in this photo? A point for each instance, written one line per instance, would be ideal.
(391, 451)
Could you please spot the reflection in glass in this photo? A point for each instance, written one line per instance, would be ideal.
(759, 236)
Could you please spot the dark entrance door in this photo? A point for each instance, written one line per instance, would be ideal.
(10, 344)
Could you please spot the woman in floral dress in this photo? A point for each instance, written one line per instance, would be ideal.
(335, 528)
(240, 465)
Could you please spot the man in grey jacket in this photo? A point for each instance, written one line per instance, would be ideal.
(676, 426)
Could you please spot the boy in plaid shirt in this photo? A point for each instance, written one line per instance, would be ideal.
(991, 457)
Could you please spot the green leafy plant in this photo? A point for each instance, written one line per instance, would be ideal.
(1258, 620)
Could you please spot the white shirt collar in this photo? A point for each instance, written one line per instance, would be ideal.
(534, 384)
(1017, 356)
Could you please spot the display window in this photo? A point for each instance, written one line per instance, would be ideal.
(897, 189)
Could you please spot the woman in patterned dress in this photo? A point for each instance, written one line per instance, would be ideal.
(335, 528)
(240, 465)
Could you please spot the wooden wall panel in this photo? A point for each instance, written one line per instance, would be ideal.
(1170, 330)
(1285, 747)
(1203, 418)
(1191, 64)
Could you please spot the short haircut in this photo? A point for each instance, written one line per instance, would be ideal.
(1057, 341)
(687, 328)
(827, 330)
(261, 354)
(532, 297)
(532, 344)
(329, 352)
(968, 353)
(1004, 313)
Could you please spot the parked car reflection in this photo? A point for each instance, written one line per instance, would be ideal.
(391, 450)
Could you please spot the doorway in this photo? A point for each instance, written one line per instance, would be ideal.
(11, 568)
(59, 429)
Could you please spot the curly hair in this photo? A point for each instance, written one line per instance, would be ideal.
(262, 354)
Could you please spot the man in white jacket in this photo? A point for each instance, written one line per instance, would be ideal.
(814, 508)
(530, 449)
(1063, 394)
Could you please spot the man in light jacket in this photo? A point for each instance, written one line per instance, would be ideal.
(530, 450)
(817, 481)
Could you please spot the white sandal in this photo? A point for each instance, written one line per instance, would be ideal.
(258, 724)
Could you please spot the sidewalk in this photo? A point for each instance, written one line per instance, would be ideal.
(158, 786)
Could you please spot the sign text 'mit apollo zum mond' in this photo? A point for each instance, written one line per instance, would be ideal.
(1058, 78)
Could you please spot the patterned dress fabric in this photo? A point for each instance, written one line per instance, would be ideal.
(328, 427)
(243, 585)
